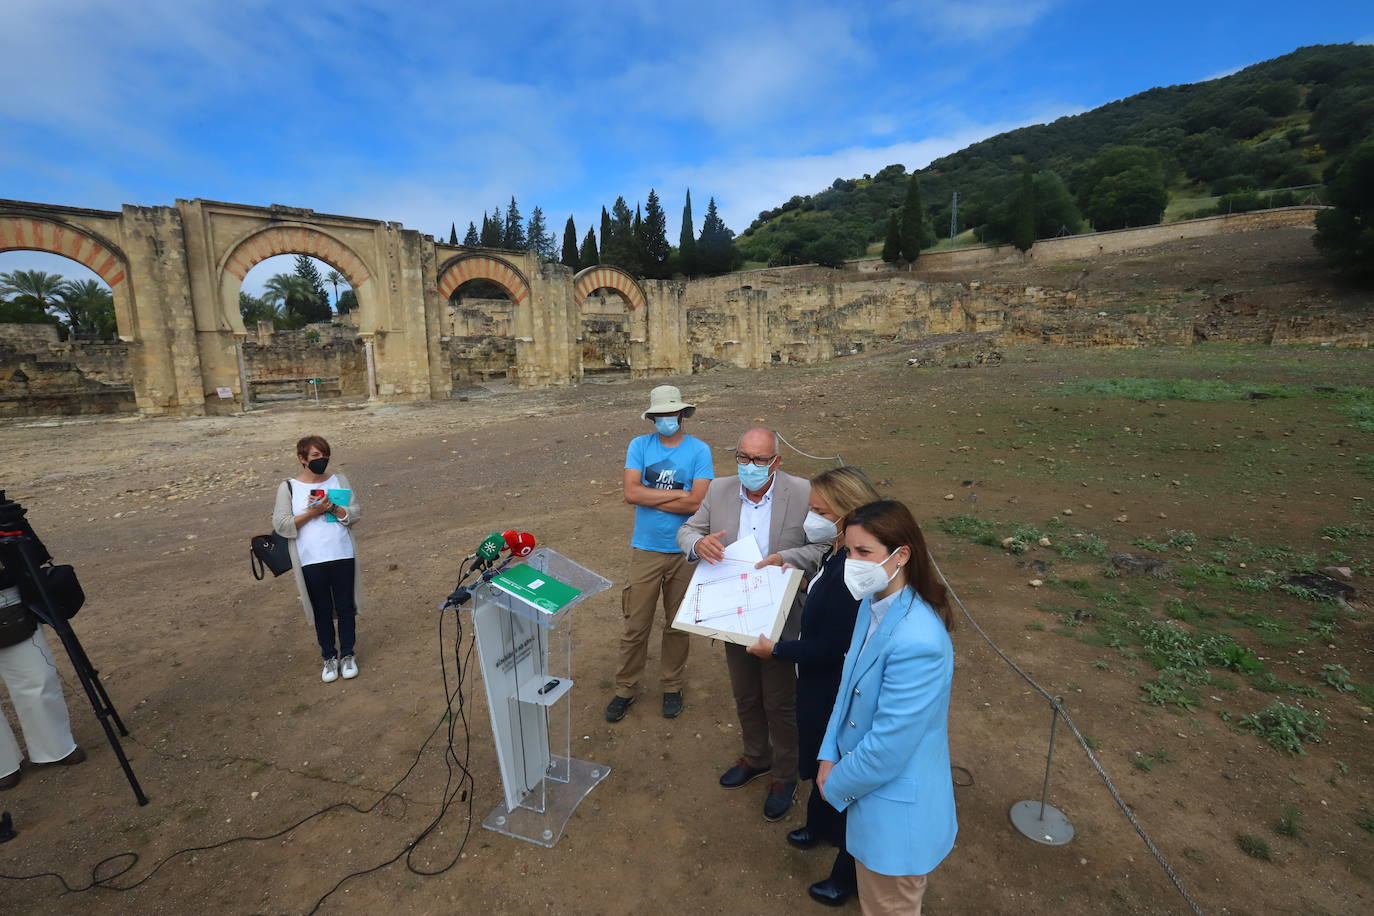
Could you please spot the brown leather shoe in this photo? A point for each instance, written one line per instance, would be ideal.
(71, 760)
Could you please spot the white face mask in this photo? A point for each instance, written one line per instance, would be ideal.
(863, 578)
(819, 528)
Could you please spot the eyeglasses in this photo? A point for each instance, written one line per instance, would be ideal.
(758, 461)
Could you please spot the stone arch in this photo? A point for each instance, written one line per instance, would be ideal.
(467, 267)
(603, 277)
(33, 233)
(291, 238)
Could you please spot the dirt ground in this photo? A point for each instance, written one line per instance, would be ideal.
(232, 732)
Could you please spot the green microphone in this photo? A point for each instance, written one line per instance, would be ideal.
(490, 548)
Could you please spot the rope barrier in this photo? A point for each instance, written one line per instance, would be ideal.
(835, 458)
(1058, 707)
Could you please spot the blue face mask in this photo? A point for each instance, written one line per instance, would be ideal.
(666, 426)
(753, 477)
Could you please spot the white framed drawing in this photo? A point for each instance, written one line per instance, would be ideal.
(733, 601)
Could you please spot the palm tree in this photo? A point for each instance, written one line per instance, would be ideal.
(254, 310)
(294, 295)
(89, 307)
(334, 278)
(34, 287)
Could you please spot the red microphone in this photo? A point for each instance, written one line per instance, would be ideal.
(519, 543)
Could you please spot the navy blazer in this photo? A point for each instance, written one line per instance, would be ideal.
(889, 738)
(827, 622)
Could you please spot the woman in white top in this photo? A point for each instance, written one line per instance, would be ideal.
(316, 512)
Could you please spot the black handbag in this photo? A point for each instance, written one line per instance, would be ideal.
(17, 622)
(269, 551)
(64, 589)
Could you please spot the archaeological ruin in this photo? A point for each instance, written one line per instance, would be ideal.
(183, 350)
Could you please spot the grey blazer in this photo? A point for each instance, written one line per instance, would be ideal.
(719, 511)
(284, 523)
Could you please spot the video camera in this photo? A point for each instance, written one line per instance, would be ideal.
(53, 595)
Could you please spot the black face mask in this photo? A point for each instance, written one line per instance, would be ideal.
(317, 465)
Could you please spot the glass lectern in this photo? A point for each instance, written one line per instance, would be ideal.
(523, 622)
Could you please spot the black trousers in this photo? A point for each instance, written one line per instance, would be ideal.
(830, 824)
(330, 587)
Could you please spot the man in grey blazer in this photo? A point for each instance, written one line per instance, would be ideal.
(763, 501)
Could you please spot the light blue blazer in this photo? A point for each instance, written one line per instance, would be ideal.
(889, 739)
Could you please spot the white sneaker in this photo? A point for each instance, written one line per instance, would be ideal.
(331, 670)
(350, 667)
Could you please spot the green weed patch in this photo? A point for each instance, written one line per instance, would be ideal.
(1286, 728)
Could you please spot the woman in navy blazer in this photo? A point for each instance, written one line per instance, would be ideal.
(827, 622)
(885, 756)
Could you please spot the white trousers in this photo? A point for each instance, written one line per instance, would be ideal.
(36, 694)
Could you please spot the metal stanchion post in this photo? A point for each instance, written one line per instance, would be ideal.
(1041, 821)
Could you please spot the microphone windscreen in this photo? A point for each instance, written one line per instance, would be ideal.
(490, 548)
(523, 545)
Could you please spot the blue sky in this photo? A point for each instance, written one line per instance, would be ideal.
(429, 114)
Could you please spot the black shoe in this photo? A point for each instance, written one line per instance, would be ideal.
(779, 800)
(830, 892)
(615, 710)
(803, 837)
(672, 704)
(741, 774)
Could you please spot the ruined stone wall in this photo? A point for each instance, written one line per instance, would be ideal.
(279, 363)
(1090, 244)
(479, 340)
(42, 376)
(604, 334)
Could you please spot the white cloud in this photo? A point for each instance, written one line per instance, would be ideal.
(969, 20)
(1223, 73)
(746, 186)
(750, 75)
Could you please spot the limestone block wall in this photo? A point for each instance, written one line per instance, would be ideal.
(604, 334)
(287, 359)
(81, 378)
(479, 343)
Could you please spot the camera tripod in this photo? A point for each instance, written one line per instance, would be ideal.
(23, 554)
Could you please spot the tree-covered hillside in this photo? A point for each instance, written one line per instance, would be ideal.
(1274, 125)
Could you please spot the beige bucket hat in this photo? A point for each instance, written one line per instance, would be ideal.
(667, 399)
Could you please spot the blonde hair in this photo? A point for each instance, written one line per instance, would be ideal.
(845, 488)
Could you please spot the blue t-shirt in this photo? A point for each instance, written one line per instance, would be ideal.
(665, 469)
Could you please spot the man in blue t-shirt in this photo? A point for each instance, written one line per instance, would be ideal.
(666, 475)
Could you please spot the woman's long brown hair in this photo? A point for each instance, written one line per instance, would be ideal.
(893, 525)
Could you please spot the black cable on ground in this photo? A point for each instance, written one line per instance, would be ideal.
(452, 759)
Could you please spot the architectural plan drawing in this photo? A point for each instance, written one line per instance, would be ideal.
(733, 601)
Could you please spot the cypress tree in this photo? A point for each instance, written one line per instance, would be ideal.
(716, 244)
(513, 235)
(686, 240)
(1023, 213)
(639, 258)
(537, 238)
(892, 244)
(453, 233)
(305, 269)
(617, 242)
(605, 235)
(491, 229)
(912, 223)
(588, 255)
(655, 229)
(472, 239)
(570, 244)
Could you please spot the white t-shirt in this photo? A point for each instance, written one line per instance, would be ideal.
(319, 540)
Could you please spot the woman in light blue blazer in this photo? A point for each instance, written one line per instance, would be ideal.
(885, 755)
